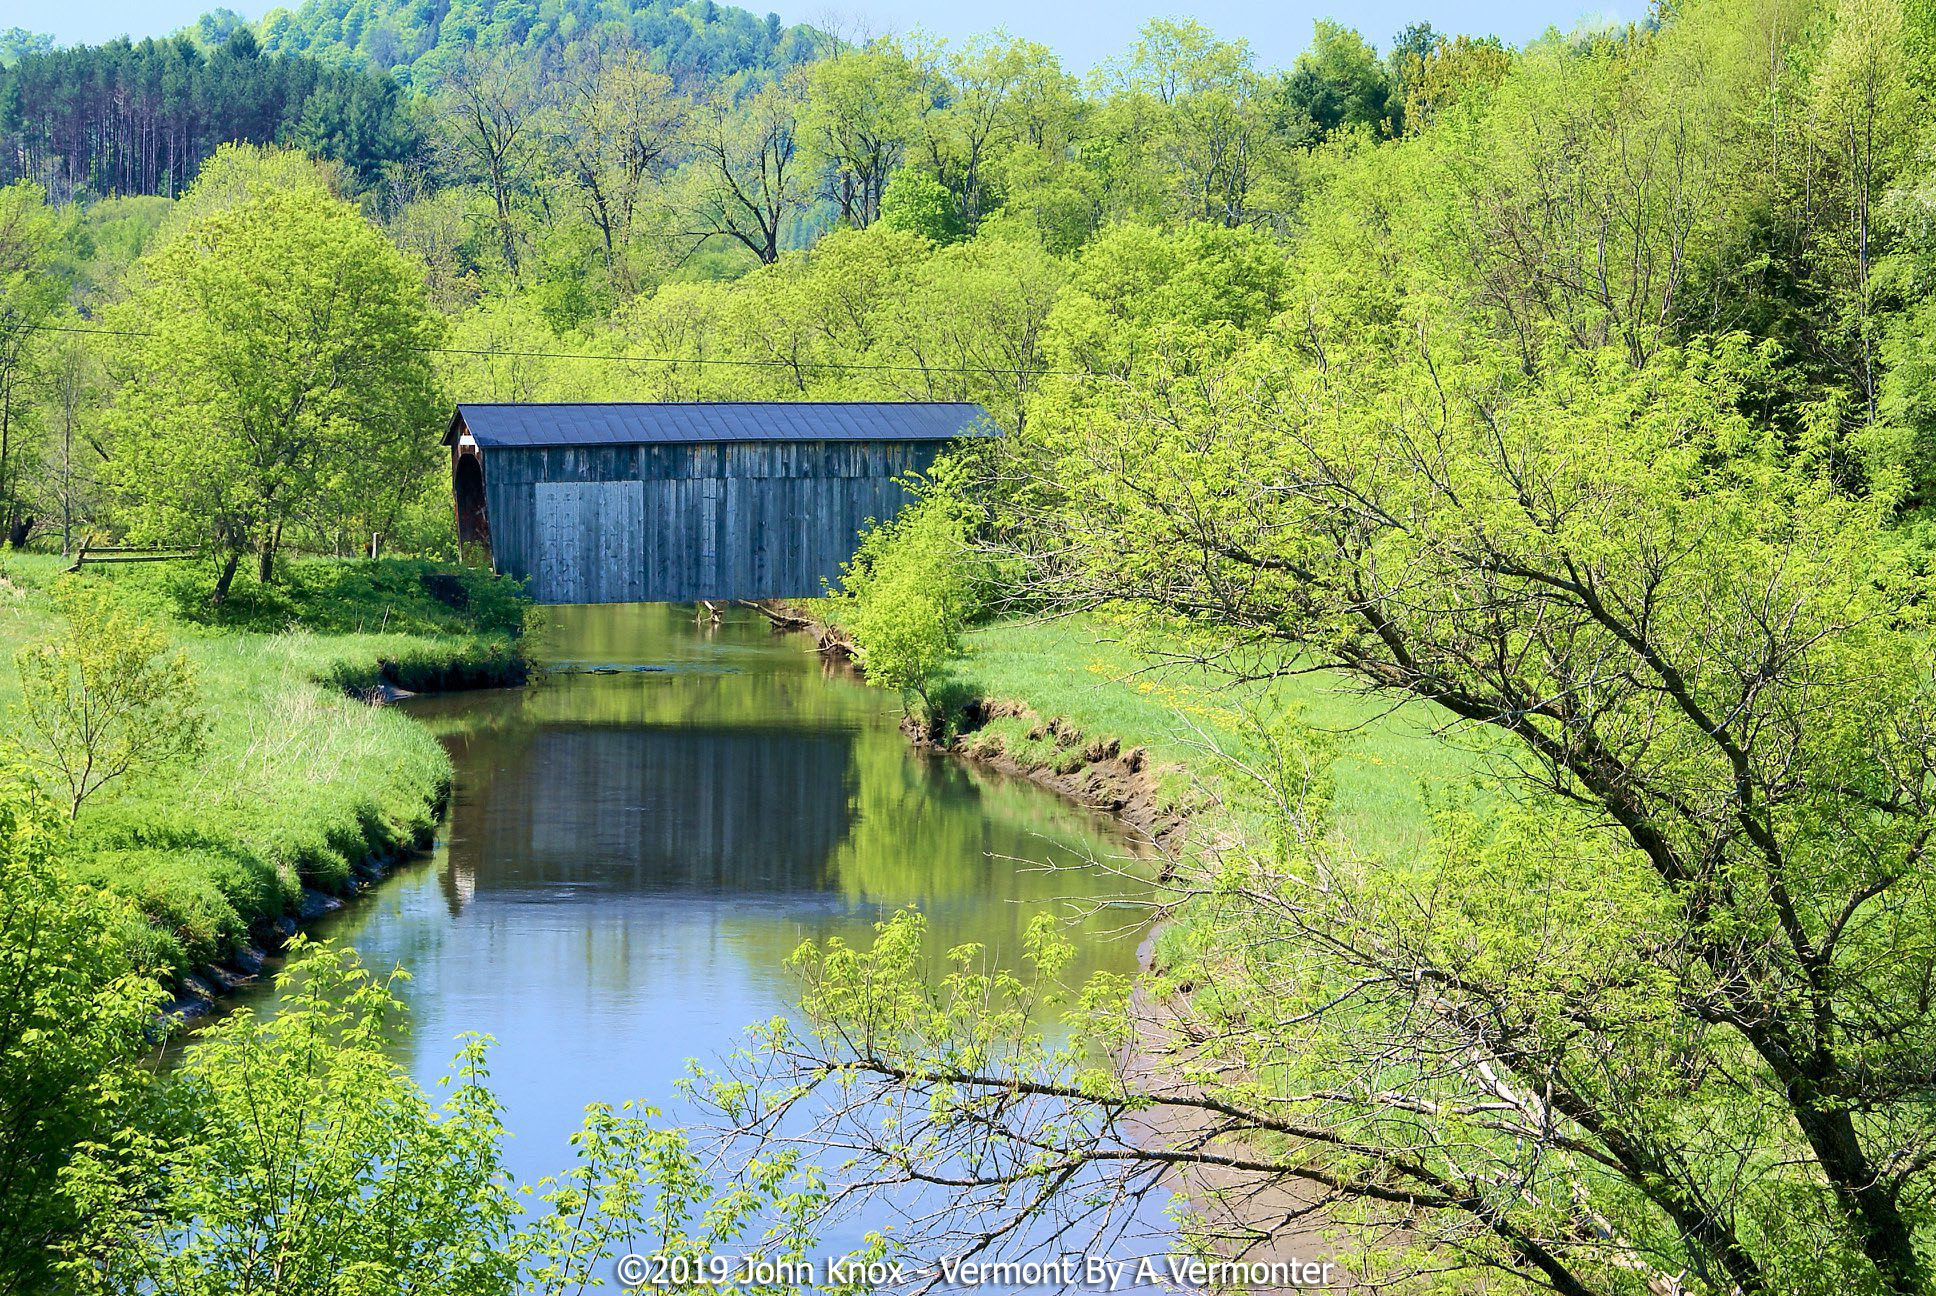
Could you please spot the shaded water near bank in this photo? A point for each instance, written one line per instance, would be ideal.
(638, 840)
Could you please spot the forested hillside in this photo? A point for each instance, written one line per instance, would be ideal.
(691, 41)
(130, 119)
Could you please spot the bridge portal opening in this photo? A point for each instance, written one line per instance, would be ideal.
(467, 483)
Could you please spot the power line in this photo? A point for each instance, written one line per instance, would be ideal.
(854, 365)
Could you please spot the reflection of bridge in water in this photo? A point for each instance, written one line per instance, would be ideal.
(638, 809)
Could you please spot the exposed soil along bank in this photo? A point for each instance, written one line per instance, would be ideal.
(1097, 772)
(379, 684)
(1271, 1222)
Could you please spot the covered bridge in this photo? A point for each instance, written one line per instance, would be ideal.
(649, 503)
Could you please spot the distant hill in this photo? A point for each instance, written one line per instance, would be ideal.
(18, 41)
(88, 121)
(692, 41)
(333, 76)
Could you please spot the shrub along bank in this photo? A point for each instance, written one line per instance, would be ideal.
(300, 784)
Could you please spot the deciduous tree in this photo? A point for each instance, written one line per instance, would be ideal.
(106, 698)
(1612, 571)
(748, 178)
(908, 595)
(612, 128)
(489, 102)
(862, 110)
(281, 375)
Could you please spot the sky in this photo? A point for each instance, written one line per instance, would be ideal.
(1082, 32)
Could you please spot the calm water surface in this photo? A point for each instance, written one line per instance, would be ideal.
(637, 842)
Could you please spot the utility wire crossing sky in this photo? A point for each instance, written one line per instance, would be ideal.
(696, 362)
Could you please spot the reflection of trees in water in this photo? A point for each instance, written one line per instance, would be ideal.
(742, 771)
(933, 827)
(980, 853)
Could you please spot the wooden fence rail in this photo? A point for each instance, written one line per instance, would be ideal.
(91, 553)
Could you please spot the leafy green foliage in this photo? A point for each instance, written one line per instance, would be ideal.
(1339, 83)
(1137, 295)
(17, 43)
(302, 1158)
(914, 202)
(909, 592)
(908, 1072)
(1438, 78)
(862, 110)
(1591, 456)
(748, 183)
(642, 1189)
(281, 375)
(105, 700)
(616, 127)
(297, 1156)
(75, 1015)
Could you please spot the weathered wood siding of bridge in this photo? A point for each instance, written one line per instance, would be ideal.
(648, 524)
(680, 521)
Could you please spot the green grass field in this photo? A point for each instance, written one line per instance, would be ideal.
(1080, 668)
(1387, 760)
(300, 781)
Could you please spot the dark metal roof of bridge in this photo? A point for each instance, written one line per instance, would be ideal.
(517, 426)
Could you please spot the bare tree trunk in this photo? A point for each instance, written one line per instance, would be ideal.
(265, 559)
(222, 582)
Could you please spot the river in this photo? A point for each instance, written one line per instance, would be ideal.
(638, 840)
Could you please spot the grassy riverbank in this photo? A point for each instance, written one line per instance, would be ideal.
(301, 782)
(1104, 696)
